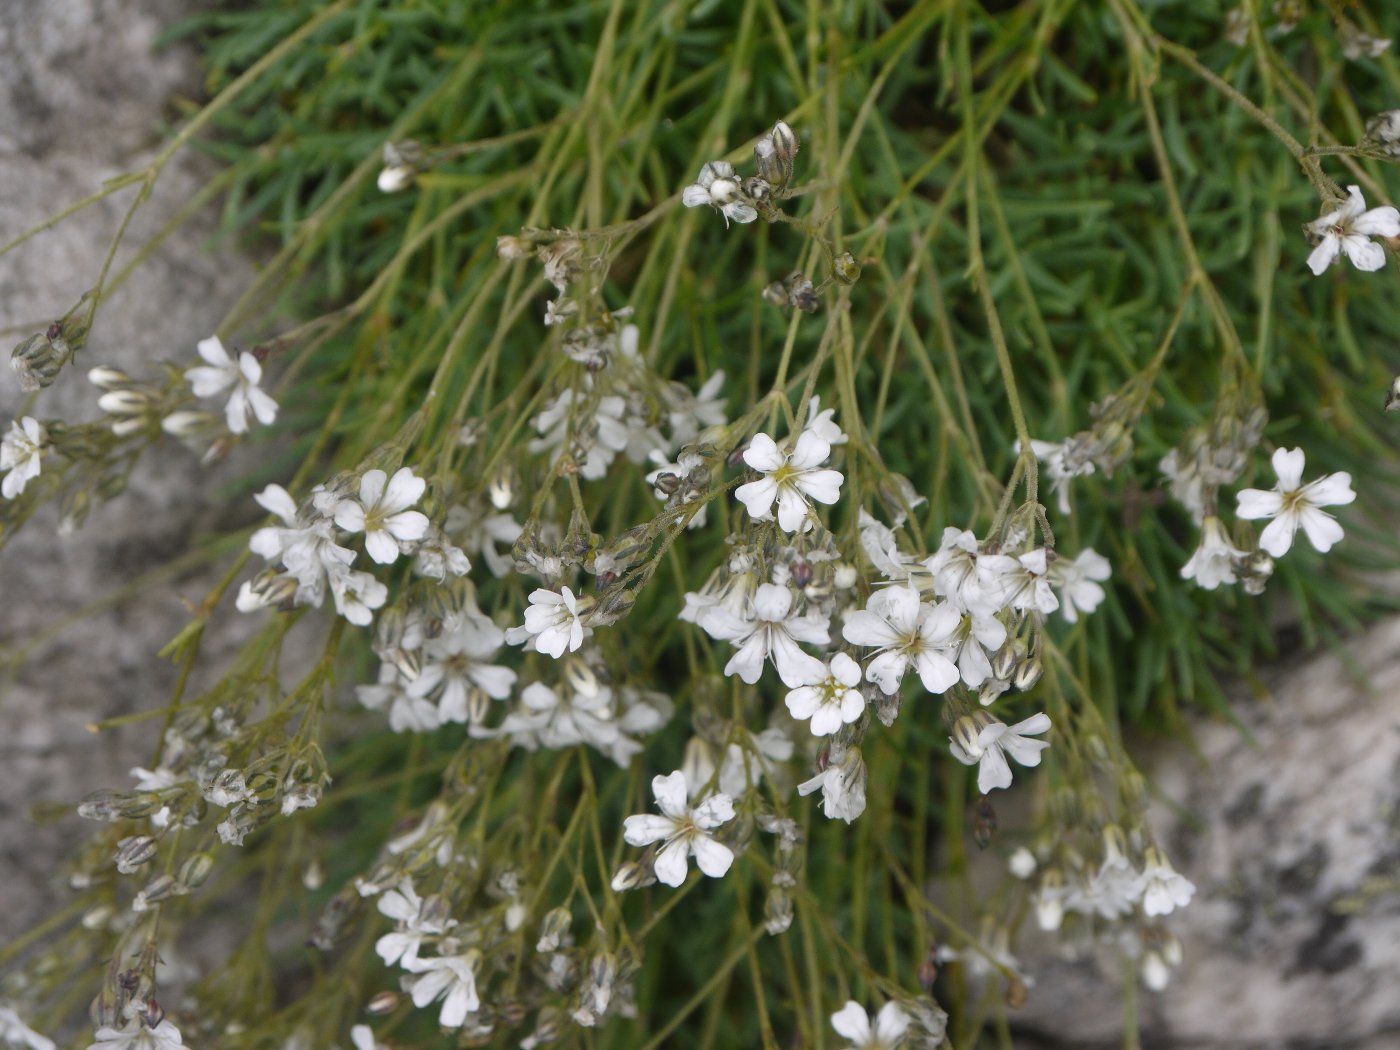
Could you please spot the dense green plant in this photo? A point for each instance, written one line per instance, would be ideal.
(977, 226)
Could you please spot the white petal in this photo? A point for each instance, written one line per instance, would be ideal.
(1364, 255)
(645, 828)
(381, 546)
(824, 486)
(695, 195)
(757, 497)
(407, 525)
(372, 487)
(1322, 529)
(670, 863)
(1258, 503)
(1277, 536)
(866, 628)
(1378, 222)
(212, 350)
(852, 1023)
(993, 772)
(1325, 254)
(937, 672)
(671, 793)
(772, 602)
(811, 451)
(891, 1024)
(276, 499)
(1331, 490)
(403, 492)
(763, 454)
(711, 857)
(792, 510)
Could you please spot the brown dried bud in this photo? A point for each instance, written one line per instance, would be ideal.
(984, 817)
(845, 268)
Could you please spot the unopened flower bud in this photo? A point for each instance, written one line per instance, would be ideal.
(632, 875)
(1028, 673)
(162, 887)
(968, 728)
(383, 1003)
(510, 249)
(124, 402)
(104, 377)
(195, 870)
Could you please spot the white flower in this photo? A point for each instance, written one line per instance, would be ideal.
(829, 698)
(1078, 581)
(1356, 44)
(362, 1035)
(683, 829)
(881, 547)
(450, 978)
(718, 186)
(1213, 562)
(601, 432)
(382, 512)
(886, 1033)
(769, 629)
(792, 479)
(1290, 503)
(1063, 461)
(134, 1035)
(14, 1032)
(1114, 888)
(552, 623)
(1347, 231)
(405, 907)
(356, 595)
(842, 784)
(957, 575)
(20, 451)
(455, 666)
(1163, 889)
(976, 636)
(1021, 582)
(243, 375)
(907, 633)
(981, 741)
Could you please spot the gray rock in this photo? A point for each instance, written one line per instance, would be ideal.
(82, 98)
(1291, 832)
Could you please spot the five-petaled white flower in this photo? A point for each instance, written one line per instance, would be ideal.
(683, 829)
(768, 628)
(887, 1032)
(792, 479)
(20, 451)
(980, 740)
(452, 979)
(1348, 231)
(1077, 581)
(718, 186)
(243, 375)
(1213, 562)
(828, 696)
(552, 623)
(907, 632)
(382, 512)
(1290, 504)
(842, 782)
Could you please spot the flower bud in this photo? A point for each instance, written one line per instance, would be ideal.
(845, 268)
(1028, 673)
(383, 1003)
(134, 851)
(125, 402)
(195, 870)
(104, 377)
(38, 360)
(554, 929)
(631, 875)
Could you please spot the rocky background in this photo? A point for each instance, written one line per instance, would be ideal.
(1290, 829)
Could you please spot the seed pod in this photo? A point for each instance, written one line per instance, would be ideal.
(134, 851)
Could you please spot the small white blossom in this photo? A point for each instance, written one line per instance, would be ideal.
(20, 452)
(973, 641)
(1022, 582)
(1077, 581)
(718, 186)
(1213, 562)
(1357, 45)
(357, 595)
(1064, 461)
(222, 372)
(455, 666)
(382, 512)
(981, 741)
(450, 978)
(552, 623)
(769, 628)
(792, 479)
(842, 785)
(405, 907)
(886, 1033)
(1163, 889)
(830, 698)
(908, 633)
(1290, 504)
(683, 829)
(1022, 863)
(958, 575)
(1348, 231)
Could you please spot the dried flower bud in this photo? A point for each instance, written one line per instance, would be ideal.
(162, 887)
(1392, 398)
(134, 851)
(777, 911)
(38, 360)
(845, 268)
(511, 249)
(554, 929)
(1015, 992)
(1384, 128)
(984, 816)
